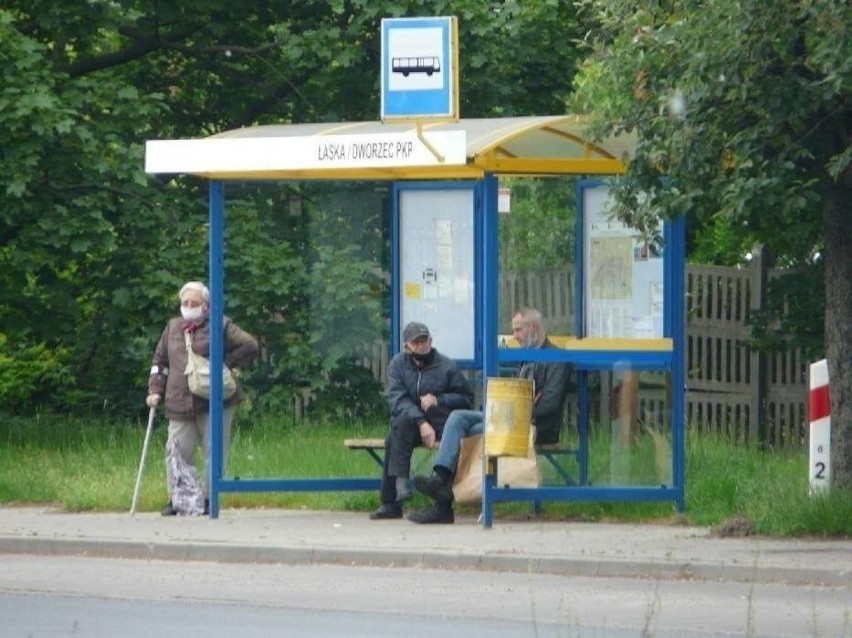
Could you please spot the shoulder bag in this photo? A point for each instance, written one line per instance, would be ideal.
(198, 374)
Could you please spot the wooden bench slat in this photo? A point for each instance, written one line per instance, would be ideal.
(547, 450)
(379, 444)
(365, 444)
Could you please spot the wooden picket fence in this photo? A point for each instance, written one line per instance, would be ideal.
(732, 389)
(550, 291)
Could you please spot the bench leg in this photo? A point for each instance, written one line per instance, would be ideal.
(376, 453)
(569, 480)
(537, 507)
(376, 457)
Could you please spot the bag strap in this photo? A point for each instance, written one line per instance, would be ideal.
(225, 323)
(188, 340)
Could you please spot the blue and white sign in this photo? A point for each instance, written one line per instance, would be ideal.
(420, 68)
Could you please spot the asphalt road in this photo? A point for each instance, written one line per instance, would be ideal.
(98, 597)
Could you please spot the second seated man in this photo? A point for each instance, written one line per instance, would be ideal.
(550, 380)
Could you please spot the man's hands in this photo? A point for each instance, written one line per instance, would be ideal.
(427, 432)
(152, 400)
(427, 435)
(428, 401)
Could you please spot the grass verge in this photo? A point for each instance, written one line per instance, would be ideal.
(91, 464)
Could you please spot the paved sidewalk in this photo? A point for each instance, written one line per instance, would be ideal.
(303, 536)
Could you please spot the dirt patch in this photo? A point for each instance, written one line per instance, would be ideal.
(737, 527)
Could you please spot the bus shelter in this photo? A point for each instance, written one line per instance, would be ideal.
(626, 345)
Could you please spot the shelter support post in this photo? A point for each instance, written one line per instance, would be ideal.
(216, 274)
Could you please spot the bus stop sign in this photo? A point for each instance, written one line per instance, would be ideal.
(419, 76)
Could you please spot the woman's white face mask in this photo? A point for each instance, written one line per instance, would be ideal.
(192, 314)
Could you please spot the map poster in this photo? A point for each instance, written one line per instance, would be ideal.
(623, 273)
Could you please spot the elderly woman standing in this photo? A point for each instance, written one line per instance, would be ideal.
(188, 414)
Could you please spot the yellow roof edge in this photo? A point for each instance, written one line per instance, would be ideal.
(600, 343)
(551, 165)
(456, 171)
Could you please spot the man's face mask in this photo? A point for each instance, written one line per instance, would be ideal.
(420, 348)
(526, 335)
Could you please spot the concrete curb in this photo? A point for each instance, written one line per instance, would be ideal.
(431, 559)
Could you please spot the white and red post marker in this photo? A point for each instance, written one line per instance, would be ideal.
(819, 412)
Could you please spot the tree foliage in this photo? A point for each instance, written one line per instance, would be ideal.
(539, 231)
(92, 251)
(744, 108)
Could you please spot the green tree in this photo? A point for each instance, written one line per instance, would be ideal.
(92, 250)
(539, 231)
(744, 107)
(316, 294)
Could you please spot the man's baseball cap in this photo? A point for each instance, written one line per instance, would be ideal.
(415, 330)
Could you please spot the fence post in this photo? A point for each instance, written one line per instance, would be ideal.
(819, 415)
(757, 400)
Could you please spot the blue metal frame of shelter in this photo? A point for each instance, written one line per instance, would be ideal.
(671, 361)
(463, 149)
(488, 355)
(217, 483)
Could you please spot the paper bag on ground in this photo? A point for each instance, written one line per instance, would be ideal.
(512, 471)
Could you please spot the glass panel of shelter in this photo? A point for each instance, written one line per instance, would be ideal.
(628, 420)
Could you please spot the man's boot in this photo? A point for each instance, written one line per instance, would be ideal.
(437, 486)
(438, 514)
(402, 492)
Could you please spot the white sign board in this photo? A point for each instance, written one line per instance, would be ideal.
(311, 152)
(436, 245)
(419, 78)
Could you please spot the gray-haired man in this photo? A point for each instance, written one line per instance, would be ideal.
(551, 386)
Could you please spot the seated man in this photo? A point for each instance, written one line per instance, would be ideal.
(551, 387)
(424, 387)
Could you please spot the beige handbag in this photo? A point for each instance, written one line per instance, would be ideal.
(198, 374)
(514, 471)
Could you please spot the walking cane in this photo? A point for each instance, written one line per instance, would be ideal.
(151, 414)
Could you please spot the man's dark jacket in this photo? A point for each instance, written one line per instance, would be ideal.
(551, 387)
(439, 376)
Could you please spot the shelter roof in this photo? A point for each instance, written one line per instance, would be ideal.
(467, 148)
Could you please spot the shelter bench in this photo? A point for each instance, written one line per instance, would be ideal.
(370, 446)
(553, 452)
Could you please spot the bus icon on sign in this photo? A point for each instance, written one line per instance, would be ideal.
(426, 64)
